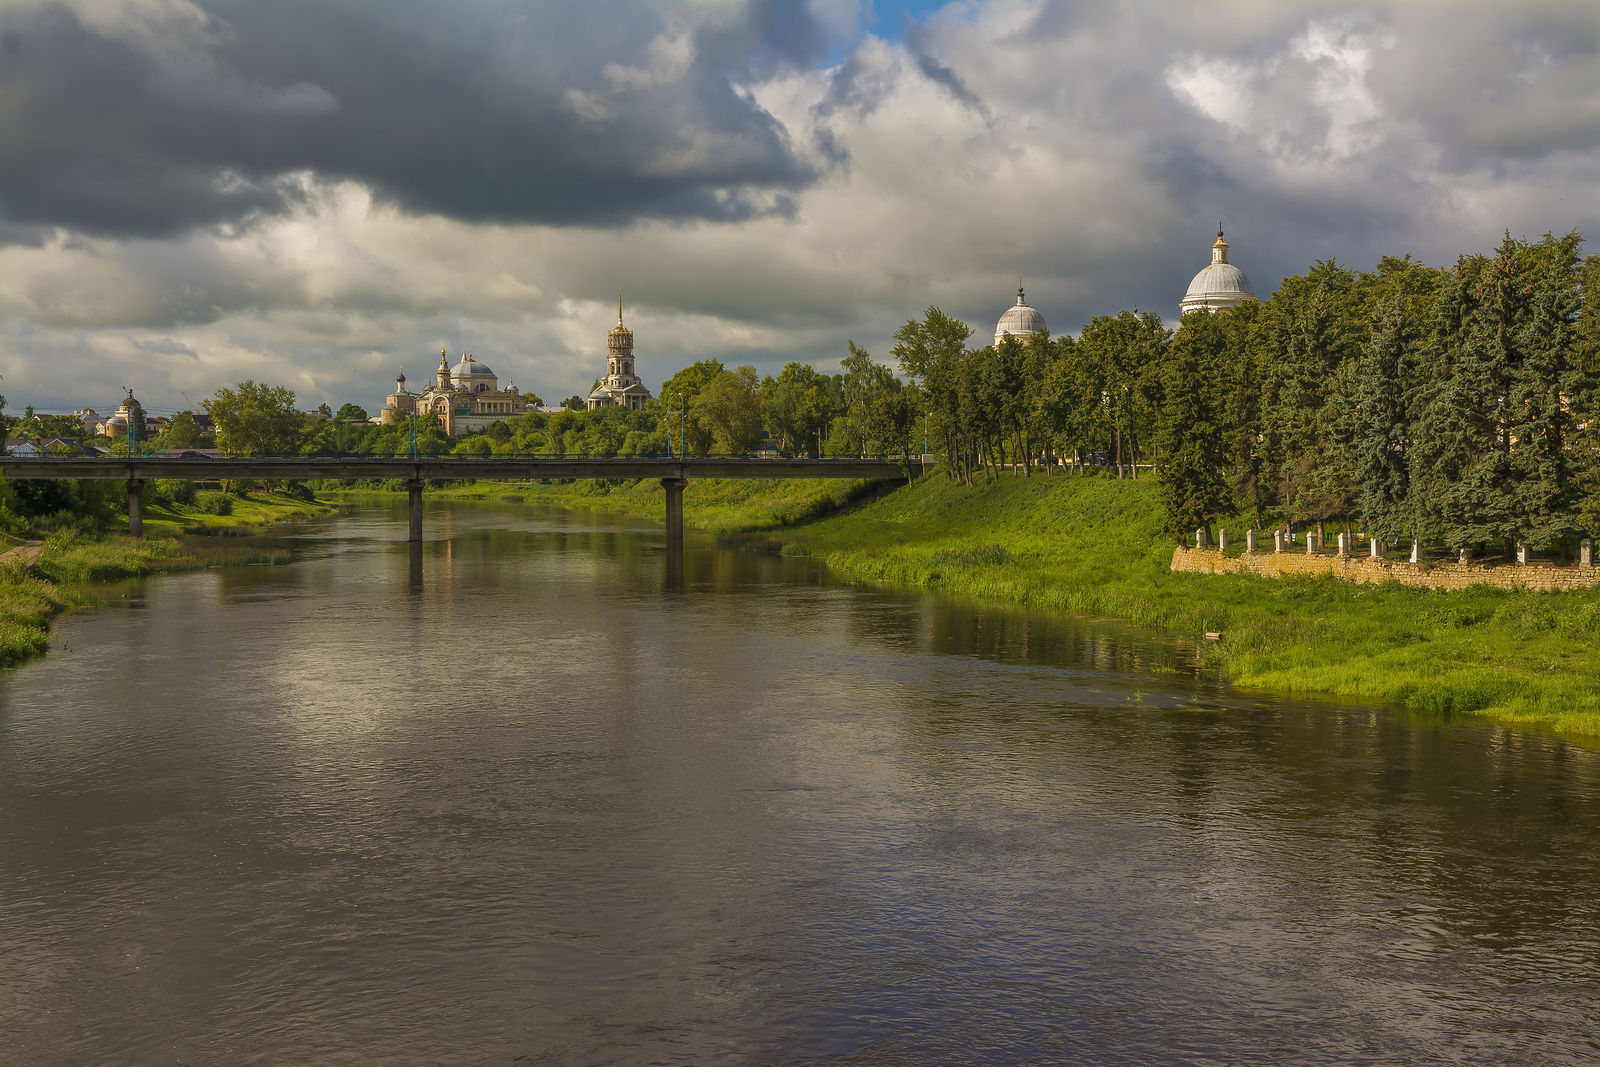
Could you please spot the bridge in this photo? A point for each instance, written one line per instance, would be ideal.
(673, 472)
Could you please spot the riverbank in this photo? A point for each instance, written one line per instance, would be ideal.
(719, 506)
(1092, 546)
(62, 571)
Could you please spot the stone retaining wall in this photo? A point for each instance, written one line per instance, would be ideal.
(1445, 575)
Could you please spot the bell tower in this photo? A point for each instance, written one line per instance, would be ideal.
(619, 368)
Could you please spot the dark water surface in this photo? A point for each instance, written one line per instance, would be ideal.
(544, 808)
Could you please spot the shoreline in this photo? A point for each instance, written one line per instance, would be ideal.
(44, 578)
(1091, 547)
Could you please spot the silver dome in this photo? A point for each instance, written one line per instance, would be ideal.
(1020, 321)
(472, 375)
(1219, 286)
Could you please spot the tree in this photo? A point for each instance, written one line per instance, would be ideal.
(181, 432)
(1194, 487)
(1495, 358)
(257, 419)
(351, 413)
(1547, 485)
(930, 354)
(1452, 430)
(1382, 446)
(727, 412)
(678, 394)
(1586, 399)
(796, 405)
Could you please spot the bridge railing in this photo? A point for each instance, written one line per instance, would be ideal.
(209, 455)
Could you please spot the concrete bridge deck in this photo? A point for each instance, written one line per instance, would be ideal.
(673, 472)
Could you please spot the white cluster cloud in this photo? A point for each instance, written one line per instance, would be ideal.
(1088, 150)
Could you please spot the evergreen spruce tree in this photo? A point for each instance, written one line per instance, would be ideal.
(1194, 444)
(1450, 426)
(1495, 358)
(1585, 439)
(1542, 390)
(1314, 476)
(1383, 441)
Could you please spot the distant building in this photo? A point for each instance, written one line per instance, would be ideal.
(127, 412)
(1219, 286)
(1020, 321)
(94, 425)
(620, 388)
(466, 398)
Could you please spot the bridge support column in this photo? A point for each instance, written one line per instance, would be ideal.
(674, 488)
(136, 507)
(415, 485)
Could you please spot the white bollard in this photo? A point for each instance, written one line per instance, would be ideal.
(1416, 550)
(1250, 542)
(1522, 554)
(1586, 553)
(1277, 540)
(1344, 546)
(1375, 544)
(1222, 539)
(1200, 538)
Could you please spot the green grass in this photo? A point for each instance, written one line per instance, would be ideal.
(258, 508)
(1092, 546)
(731, 505)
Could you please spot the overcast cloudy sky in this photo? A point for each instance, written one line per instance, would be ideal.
(317, 194)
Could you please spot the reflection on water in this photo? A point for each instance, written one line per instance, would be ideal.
(520, 792)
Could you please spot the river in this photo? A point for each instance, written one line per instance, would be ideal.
(531, 801)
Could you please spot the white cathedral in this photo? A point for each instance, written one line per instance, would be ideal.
(466, 398)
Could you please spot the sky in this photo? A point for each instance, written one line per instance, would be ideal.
(320, 195)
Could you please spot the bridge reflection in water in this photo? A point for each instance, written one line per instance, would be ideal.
(673, 473)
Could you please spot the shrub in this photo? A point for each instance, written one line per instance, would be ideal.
(210, 503)
(178, 490)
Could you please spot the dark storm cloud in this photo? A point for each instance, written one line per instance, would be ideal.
(561, 114)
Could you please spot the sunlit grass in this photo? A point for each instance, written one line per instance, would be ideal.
(1092, 546)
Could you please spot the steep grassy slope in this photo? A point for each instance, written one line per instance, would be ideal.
(1092, 546)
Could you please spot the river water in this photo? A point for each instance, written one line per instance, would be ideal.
(530, 801)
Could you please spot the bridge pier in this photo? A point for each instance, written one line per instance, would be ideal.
(136, 507)
(415, 487)
(674, 488)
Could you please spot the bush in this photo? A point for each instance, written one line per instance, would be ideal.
(299, 491)
(210, 503)
(178, 490)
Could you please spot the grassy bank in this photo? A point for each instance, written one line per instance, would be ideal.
(724, 506)
(1092, 546)
(69, 565)
(252, 511)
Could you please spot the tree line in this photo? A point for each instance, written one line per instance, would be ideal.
(1455, 405)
